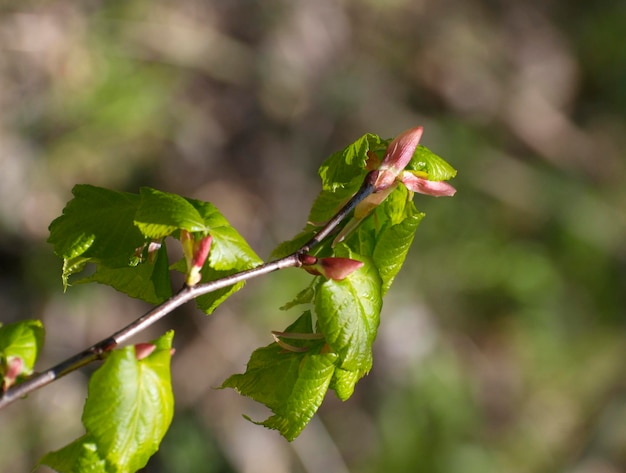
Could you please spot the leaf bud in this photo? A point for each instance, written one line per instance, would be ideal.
(196, 253)
(333, 268)
(14, 368)
(424, 186)
(144, 350)
(398, 155)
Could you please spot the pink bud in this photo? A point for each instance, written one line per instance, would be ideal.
(399, 153)
(334, 268)
(144, 350)
(201, 251)
(14, 368)
(196, 253)
(424, 186)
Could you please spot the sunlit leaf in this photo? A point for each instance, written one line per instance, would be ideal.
(393, 244)
(80, 456)
(348, 314)
(435, 167)
(161, 213)
(22, 339)
(148, 280)
(229, 249)
(346, 168)
(291, 384)
(96, 225)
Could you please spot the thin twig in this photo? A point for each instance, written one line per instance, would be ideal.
(100, 349)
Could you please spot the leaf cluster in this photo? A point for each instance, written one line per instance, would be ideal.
(340, 318)
(121, 239)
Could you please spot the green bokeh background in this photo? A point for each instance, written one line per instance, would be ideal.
(502, 343)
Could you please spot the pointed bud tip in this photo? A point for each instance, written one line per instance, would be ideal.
(144, 350)
(333, 268)
(339, 268)
(398, 155)
(14, 368)
(424, 186)
(201, 251)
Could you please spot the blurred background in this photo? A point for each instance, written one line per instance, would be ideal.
(502, 343)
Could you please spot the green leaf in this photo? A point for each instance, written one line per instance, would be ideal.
(292, 385)
(229, 250)
(130, 405)
(426, 161)
(394, 207)
(393, 244)
(343, 383)
(306, 296)
(22, 339)
(148, 280)
(129, 408)
(96, 225)
(162, 213)
(314, 374)
(80, 456)
(348, 314)
(347, 167)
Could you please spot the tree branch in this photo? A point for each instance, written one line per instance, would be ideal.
(100, 349)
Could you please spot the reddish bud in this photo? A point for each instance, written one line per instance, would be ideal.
(399, 153)
(308, 260)
(424, 186)
(196, 253)
(334, 268)
(14, 368)
(144, 350)
(201, 251)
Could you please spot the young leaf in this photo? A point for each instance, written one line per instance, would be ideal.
(347, 167)
(314, 373)
(80, 456)
(148, 281)
(161, 213)
(291, 384)
(130, 405)
(348, 314)
(343, 383)
(435, 167)
(393, 244)
(23, 340)
(305, 296)
(96, 225)
(230, 250)
(128, 410)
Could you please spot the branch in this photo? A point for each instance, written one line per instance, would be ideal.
(100, 349)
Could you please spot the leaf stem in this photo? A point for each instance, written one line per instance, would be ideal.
(186, 294)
